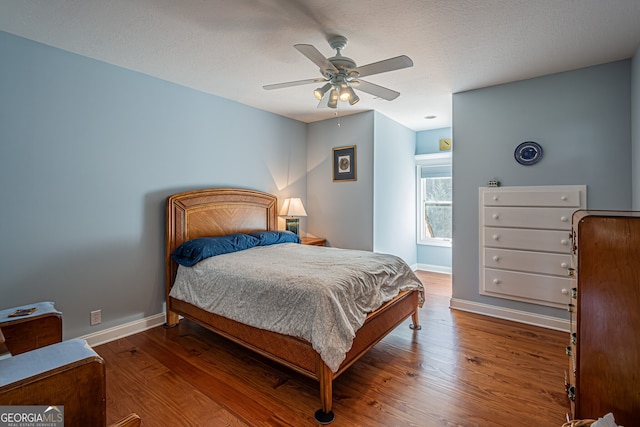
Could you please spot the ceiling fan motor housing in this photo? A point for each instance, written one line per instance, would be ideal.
(342, 63)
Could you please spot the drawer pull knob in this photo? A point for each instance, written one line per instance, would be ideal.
(564, 242)
(495, 216)
(495, 198)
(563, 197)
(564, 265)
(565, 292)
(496, 258)
(496, 281)
(564, 219)
(495, 237)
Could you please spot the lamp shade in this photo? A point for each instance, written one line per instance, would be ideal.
(333, 99)
(345, 95)
(353, 98)
(293, 207)
(319, 93)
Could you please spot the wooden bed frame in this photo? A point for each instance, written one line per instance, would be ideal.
(217, 212)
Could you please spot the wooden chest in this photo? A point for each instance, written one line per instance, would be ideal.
(604, 348)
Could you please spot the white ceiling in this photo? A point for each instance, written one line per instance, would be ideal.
(231, 48)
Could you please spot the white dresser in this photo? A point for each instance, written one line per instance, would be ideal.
(525, 244)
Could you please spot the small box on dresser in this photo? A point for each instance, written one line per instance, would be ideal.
(604, 345)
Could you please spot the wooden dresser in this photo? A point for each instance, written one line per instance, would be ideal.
(604, 349)
(525, 244)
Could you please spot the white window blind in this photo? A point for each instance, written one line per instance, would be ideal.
(434, 199)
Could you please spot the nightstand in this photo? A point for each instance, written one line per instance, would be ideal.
(313, 241)
(38, 329)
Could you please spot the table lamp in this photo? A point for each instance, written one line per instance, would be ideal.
(293, 209)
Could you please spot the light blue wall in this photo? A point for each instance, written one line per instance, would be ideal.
(582, 120)
(394, 189)
(88, 154)
(348, 214)
(428, 141)
(341, 211)
(438, 258)
(635, 128)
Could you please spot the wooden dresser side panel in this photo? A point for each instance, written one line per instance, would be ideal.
(608, 318)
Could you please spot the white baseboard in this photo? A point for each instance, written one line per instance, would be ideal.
(117, 332)
(434, 268)
(509, 314)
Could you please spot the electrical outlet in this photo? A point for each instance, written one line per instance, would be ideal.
(96, 317)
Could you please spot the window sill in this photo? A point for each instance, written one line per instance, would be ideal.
(440, 243)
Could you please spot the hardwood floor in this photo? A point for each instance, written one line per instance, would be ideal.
(461, 369)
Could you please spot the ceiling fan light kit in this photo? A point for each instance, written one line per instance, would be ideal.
(333, 99)
(341, 75)
(353, 98)
(345, 95)
(319, 93)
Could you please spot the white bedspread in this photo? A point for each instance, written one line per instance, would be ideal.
(319, 294)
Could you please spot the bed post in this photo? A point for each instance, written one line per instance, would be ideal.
(414, 318)
(173, 237)
(172, 319)
(325, 376)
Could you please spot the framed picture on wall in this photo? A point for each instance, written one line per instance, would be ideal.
(344, 163)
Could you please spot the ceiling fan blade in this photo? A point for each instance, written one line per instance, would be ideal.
(375, 90)
(391, 64)
(294, 83)
(317, 58)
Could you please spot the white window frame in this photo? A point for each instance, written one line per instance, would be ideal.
(435, 159)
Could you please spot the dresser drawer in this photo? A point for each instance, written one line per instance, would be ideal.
(527, 239)
(544, 218)
(531, 262)
(526, 197)
(548, 290)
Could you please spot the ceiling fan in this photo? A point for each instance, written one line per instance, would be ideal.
(341, 75)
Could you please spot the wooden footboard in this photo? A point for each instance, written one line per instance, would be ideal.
(289, 351)
(298, 354)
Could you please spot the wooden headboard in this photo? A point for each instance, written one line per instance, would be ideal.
(215, 212)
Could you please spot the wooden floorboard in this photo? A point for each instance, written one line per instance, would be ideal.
(461, 369)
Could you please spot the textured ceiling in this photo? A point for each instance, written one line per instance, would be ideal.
(233, 48)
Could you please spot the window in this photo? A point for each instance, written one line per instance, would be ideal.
(434, 199)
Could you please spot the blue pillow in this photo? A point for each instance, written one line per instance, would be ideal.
(193, 251)
(272, 237)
